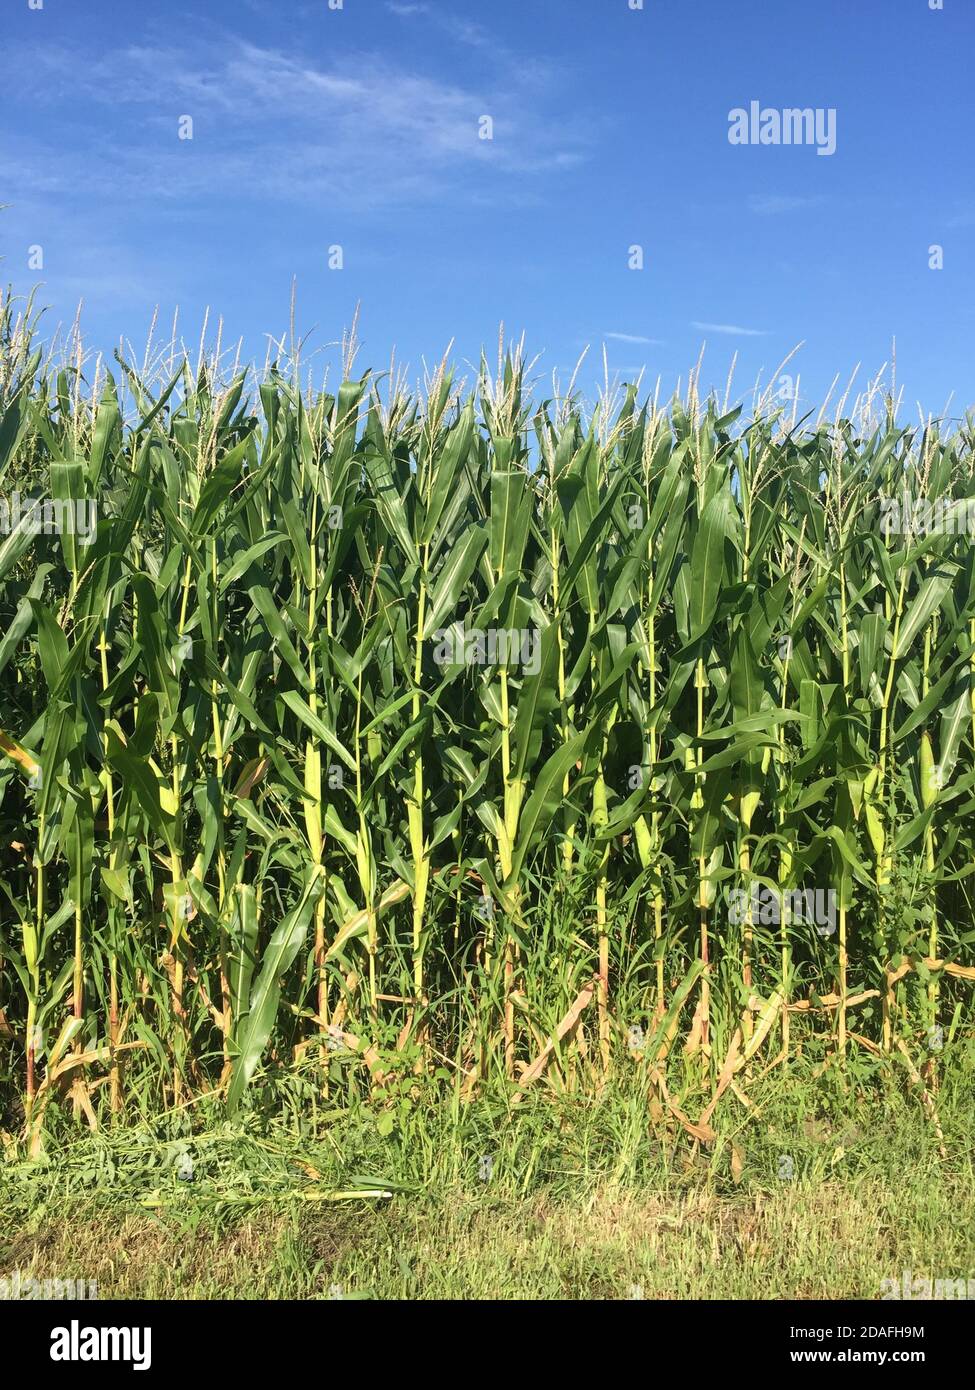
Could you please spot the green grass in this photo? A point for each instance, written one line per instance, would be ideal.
(586, 1200)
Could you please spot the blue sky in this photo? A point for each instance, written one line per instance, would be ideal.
(359, 127)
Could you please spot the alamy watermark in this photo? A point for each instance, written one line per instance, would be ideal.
(17, 1286)
(77, 1343)
(767, 125)
(493, 646)
(766, 907)
(910, 1286)
(49, 516)
(927, 516)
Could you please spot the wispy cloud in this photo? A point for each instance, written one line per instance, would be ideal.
(965, 217)
(461, 30)
(634, 338)
(774, 204)
(359, 132)
(734, 329)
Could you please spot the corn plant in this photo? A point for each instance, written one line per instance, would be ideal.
(440, 729)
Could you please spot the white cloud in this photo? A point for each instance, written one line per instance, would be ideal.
(732, 328)
(634, 338)
(461, 30)
(357, 131)
(773, 204)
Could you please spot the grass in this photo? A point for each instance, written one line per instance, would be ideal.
(583, 1202)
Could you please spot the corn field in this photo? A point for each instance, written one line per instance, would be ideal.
(471, 732)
